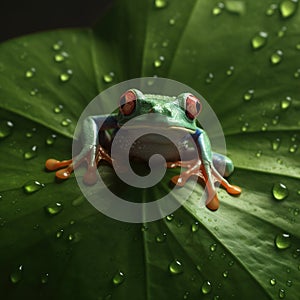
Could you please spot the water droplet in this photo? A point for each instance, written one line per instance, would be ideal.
(5, 129)
(248, 95)
(259, 40)
(280, 191)
(50, 140)
(216, 297)
(118, 278)
(30, 73)
(293, 148)
(275, 120)
(165, 43)
(158, 62)
(286, 103)
(31, 154)
(109, 77)
(33, 92)
(195, 226)
(59, 233)
(144, 228)
(44, 278)
(16, 276)
(66, 76)
(297, 74)
(245, 127)
(258, 153)
(65, 122)
(170, 217)
(54, 208)
(206, 287)
(276, 57)
(276, 144)
(58, 109)
(225, 274)
(237, 7)
(296, 213)
(186, 295)
(289, 283)
(217, 10)
(271, 10)
(57, 46)
(230, 71)
(281, 293)
(298, 46)
(60, 57)
(161, 238)
(272, 281)
(172, 21)
(209, 78)
(288, 8)
(32, 186)
(264, 127)
(283, 241)
(160, 3)
(175, 267)
(213, 247)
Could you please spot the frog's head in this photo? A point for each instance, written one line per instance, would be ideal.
(176, 112)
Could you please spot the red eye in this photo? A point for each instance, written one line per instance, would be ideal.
(192, 107)
(128, 103)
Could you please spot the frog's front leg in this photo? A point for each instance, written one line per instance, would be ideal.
(92, 152)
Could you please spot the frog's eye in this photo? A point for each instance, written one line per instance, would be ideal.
(192, 106)
(128, 102)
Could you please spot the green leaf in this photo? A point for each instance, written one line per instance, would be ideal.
(78, 253)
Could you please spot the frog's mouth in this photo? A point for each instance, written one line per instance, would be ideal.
(160, 127)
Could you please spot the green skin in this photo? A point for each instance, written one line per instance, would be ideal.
(173, 118)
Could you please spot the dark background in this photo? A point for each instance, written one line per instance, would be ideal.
(19, 17)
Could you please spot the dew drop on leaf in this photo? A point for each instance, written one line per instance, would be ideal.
(158, 62)
(5, 129)
(276, 144)
(264, 127)
(217, 10)
(213, 247)
(288, 7)
(245, 127)
(282, 241)
(275, 120)
(16, 275)
(206, 287)
(175, 267)
(50, 140)
(60, 57)
(172, 21)
(225, 274)
(58, 109)
(281, 294)
(54, 208)
(44, 278)
(280, 191)
(59, 233)
(297, 74)
(289, 283)
(258, 153)
(33, 92)
(32, 186)
(230, 71)
(271, 9)
(65, 122)
(259, 40)
(235, 6)
(293, 148)
(109, 77)
(276, 57)
(118, 278)
(57, 46)
(209, 78)
(186, 295)
(170, 217)
(248, 95)
(31, 153)
(286, 103)
(66, 76)
(160, 3)
(30, 73)
(298, 46)
(195, 226)
(160, 238)
(272, 281)
(282, 31)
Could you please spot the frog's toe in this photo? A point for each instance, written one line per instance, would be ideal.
(179, 180)
(90, 177)
(213, 204)
(64, 173)
(233, 189)
(54, 164)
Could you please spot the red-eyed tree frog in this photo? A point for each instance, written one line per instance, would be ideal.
(181, 113)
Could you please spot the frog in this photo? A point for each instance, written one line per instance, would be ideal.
(179, 114)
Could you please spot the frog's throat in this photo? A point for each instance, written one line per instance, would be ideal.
(167, 128)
